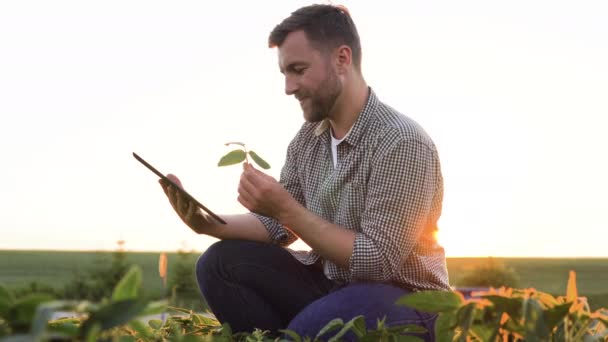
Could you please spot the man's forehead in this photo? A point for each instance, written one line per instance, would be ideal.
(297, 37)
(296, 48)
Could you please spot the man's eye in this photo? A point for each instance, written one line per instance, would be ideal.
(299, 71)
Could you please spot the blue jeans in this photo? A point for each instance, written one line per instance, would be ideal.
(256, 285)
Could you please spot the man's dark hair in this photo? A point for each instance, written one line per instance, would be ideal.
(326, 27)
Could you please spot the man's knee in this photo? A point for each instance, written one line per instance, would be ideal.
(211, 259)
(219, 256)
(209, 263)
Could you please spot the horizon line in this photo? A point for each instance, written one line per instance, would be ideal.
(196, 250)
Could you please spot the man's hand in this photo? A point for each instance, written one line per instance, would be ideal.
(186, 209)
(263, 195)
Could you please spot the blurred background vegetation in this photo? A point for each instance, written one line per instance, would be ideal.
(92, 275)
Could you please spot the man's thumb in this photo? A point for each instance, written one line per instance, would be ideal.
(175, 180)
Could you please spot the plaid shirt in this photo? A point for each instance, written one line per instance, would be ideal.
(387, 187)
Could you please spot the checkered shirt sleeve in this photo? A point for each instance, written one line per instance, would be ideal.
(397, 204)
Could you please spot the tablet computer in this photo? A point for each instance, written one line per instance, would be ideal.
(162, 176)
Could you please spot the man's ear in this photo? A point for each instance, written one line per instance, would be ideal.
(344, 58)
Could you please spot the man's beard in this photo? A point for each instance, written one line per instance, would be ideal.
(324, 99)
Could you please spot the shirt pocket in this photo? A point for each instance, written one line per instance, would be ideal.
(352, 204)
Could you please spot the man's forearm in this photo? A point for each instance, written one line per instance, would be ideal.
(331, 241)
(239, 227)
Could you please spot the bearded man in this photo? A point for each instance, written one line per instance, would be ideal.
(361, 185)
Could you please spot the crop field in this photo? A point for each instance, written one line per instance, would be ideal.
(57, 268)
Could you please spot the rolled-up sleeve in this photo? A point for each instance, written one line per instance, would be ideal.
(290, 180)
(400, 192)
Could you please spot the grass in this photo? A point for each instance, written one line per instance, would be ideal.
(56, 268)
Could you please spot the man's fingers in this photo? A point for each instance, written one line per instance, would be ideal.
(254, 176)
(192, 209)
(244, 202)
(181, 203)
(177, 201)
(172, 194)
(247, 183)
(175, 180)
(245, 189)
(164, 185)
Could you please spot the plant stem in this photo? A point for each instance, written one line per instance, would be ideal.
(246, 154)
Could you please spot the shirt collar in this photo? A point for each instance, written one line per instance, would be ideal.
(360, 124)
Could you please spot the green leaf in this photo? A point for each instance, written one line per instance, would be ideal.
(534, 323)
(233, 157)
(154, 308)
(261, 162)
(408, 328)
(484, 332)
(444, 326)
(294, 335)
(205, 320)
(514, 326)
(23, 310)
(186, 311)
(465, 317)
(357, 325)
(142, 330)
(93, 333)
(226, 331)
(407, 338)
(155, 323)
(337, 337)
(112, 315)
(44, 312)
(546, 299)
(194, 338)
(65, 326)
(555, 315)
(372, 336)
(332, 325)
(432, 301)
(511, 306)
(128, 286)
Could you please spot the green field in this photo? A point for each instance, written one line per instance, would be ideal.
(56, 268)
(549, 275)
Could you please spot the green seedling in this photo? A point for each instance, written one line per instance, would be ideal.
(239, 155)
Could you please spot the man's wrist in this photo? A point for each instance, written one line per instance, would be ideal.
(290, 213)
(201, 223)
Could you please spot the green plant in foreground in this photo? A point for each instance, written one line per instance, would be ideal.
(507, 314)
(240, 155)
(503, 314)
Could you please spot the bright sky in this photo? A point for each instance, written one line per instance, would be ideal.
(514, 94)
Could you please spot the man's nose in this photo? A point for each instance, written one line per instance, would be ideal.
(291, 86)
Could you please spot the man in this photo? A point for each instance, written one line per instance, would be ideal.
(361, 185)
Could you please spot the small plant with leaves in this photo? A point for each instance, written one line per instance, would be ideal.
(507, 314)
(239, 155)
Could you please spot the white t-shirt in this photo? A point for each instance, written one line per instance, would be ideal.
(334, 148)
(334, 145)
(334, 155)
